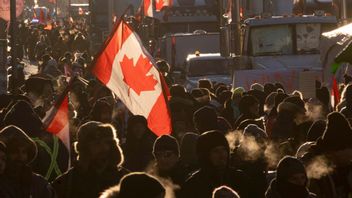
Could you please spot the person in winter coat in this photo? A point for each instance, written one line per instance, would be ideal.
(250, 157)
(213, 153)
(290, 114)
(22, 115)
(182, 107)
(231, 110)
(18, 178)
(188, 156)
(249, 108)
(137, 184)
(139, 144)
(335, 147)
(206, 119)
(291, 180)
(166, 153)
(98, 166)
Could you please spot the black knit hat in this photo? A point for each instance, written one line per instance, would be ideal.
(140, 185)
(166, 143)
(206, 142)
(287, 167)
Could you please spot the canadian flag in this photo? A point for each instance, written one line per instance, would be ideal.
(126, 68)
(57, 120)
(159, 4)
(148, 8)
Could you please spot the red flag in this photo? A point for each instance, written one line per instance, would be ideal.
(126, 68)
(148, 8)
(57, 121)
(335, 91)
(160, 4)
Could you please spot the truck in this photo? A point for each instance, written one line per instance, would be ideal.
(180, 30)
(210, 66)
(272, 44)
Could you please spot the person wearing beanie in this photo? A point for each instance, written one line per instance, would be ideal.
(249, 157)
(166, 154)
(291, 180)
(182, 107)
(213, 156)
(334, 146)
(249, 108)
(18, 178)
(224, 192)
(135, 185)
(138, 147)
(99, 163)
(291, 113)
(279, 97)
(205, 119)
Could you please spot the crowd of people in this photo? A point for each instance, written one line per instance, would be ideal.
(226, 142)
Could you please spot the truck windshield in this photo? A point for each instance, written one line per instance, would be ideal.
(208, 67)
(280, 40)
(271, 40)
(307, 38)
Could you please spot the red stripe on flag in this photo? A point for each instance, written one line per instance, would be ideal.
(105, 60)
(335, 90)
(159, 118)
(61, 119)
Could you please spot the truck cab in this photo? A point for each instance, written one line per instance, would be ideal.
(280, 42)
(272, 43)
(210, 66)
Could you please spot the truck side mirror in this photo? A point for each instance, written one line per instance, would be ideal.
(225, 41)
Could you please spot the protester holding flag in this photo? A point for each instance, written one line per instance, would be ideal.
(125, 67)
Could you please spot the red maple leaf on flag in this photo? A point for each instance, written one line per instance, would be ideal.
(135, 76)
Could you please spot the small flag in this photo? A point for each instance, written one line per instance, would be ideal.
(148, 8)
(57, 120)
(126, 68)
